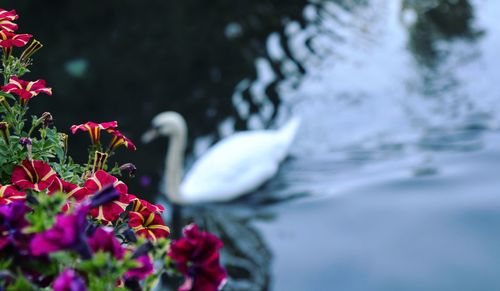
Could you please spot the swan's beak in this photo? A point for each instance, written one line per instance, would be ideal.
(150, 135)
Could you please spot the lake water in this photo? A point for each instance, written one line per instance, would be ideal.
(393, 182)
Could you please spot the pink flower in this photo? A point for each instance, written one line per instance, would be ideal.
(196, 255)
(6, 18)
(9, 194)
(68, 233)
(69, 280)
(94, 129)
(141, 272)
(9, 39)
(33, 174)
(104, 240)
(26, 89)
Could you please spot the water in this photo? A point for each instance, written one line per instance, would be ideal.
(394, 176)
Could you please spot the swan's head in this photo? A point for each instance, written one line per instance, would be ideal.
(167, 123)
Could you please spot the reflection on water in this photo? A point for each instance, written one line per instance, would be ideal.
(393, 181)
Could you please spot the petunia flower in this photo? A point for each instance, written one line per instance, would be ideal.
(141, 272)
(12, 223)
(26, 89)
(68, 233)
(196, 256)
(9, 39)
(33, 174)
(104, 240)
(6, 18)
(110, 211)
(9, 194)
(119, 139)
(69, 280)
(140, 205)
(94, 129)
(148, 224)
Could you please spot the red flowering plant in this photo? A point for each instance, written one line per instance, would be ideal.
(71, 226)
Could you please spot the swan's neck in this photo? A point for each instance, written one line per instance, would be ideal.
(174, 164)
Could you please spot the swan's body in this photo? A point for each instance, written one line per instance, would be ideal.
(233, 167)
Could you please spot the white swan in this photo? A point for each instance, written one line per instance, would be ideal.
(233, 167)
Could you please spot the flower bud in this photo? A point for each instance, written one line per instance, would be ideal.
(4, 131)
(5, 104)
(26, 142)
(64, 142)
(34, 46)
(100, 160)
(47, 119)
(130, 168)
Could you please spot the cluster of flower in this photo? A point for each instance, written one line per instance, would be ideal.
(68, 226)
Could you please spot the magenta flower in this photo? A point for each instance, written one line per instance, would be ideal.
(12, 222)
(141, 272)
(196, 256)
(94, 129)
(6, 18)
(119, 139)
(26, 89)
(69, 280)
(68, 233)
(104, 240)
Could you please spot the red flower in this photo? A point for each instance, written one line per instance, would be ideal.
(9, 194)
(145, 269)
(94, 129)
(33, 174)
(148, 224)
(9, 39)
(6, 18)
(109, 211)
(72, 191)
(119, 139)
(197, 257)
(140, 205)
(26, 89)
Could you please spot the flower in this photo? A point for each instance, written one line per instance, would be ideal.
(9, 39)
(69, 280)
(119, 139)
(6, 18)
(33, 174)
(141, 272)
(12, 222)
(94, 129)
(26, 89)
(9, 194)
(68, 233)
(140, 205)
(196, 256)
(129, 168)
(110, 211)
(148, 224)
(104, 240)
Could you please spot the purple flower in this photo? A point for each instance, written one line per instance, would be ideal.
(69, 280)
(197, 257)
(103, 239)
(68, 233)
(141, 272)
(12, 222)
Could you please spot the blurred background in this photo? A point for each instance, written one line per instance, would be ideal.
(393, 182)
